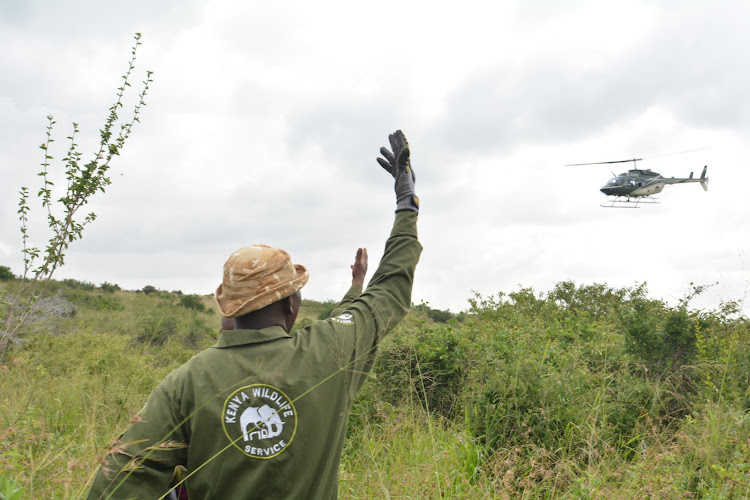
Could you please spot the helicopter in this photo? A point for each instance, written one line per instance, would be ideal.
(637, 186)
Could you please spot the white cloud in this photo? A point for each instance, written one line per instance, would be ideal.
(265, 119)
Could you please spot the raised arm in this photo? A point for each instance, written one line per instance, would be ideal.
(388, 295)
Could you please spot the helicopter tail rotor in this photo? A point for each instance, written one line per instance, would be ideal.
(704, 179)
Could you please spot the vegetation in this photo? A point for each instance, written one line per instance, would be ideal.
(6, 274)
(109, 287)
(65, 225)
(436, 315)
(582, 392)
(193, 302)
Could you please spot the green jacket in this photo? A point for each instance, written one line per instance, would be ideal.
(263, 413)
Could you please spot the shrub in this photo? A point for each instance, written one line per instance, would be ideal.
(535, 395)
(664, 339)
(148, 289)
(436, 315)
(6, 274)
(193, 302)
(196, 330)
(431, 364)
(157, 327)
(166, 323)
(597, 300)
(109, 287)
(62, 211)
(328, 307)
(552, 373)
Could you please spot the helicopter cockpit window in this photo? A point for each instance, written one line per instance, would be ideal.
(614, 181)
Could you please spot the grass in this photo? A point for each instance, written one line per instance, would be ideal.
(409, 454)
(522, 398)
(65, 399)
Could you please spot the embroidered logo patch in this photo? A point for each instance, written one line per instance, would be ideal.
(345, 318)
(259, 420)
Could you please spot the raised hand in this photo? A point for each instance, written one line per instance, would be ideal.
(359, 268)
(398, 163)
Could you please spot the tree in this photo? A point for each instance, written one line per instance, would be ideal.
(6, 274)
(63, 220)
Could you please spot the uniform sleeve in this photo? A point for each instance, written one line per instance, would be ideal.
(140, 464)
(387, 298)
(353, 292)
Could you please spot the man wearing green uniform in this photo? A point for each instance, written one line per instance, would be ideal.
(263, 413)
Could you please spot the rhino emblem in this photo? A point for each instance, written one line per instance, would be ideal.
(264, 420)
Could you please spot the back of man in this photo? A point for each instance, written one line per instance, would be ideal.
(263, 413)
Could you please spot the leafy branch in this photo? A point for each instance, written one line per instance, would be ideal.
(65, 223)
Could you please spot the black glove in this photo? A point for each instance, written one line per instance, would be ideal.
(398, 165)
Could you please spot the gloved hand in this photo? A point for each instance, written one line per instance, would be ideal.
(398, 165)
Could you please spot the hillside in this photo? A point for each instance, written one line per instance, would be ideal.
(580, 392)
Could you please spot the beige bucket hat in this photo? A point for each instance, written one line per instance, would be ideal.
(255, 277)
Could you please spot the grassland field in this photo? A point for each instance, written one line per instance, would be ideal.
(581, 392)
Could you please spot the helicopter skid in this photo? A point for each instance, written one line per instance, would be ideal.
(628, 202)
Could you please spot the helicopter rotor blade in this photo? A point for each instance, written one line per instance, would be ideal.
(636, 159)
(603, 162)
(677, 153)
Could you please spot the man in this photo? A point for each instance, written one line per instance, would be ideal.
(263, 413)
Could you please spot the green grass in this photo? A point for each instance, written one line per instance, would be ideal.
(524, 396)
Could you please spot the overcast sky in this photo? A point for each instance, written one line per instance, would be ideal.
(265, 119)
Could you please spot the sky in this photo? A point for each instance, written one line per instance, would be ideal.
(264, 120)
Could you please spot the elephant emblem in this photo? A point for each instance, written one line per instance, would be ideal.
(264, 420)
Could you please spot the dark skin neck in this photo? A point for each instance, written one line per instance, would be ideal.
(282, 313)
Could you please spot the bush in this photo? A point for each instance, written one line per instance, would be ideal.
(196, 330)
(431, 364)
(148, 289)
(157, 327)
(166, 323)
(109, 287)
(597, 300)
(436, 315)
(664, 339)
(555, 371)
(193, 302)
(6, 274)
